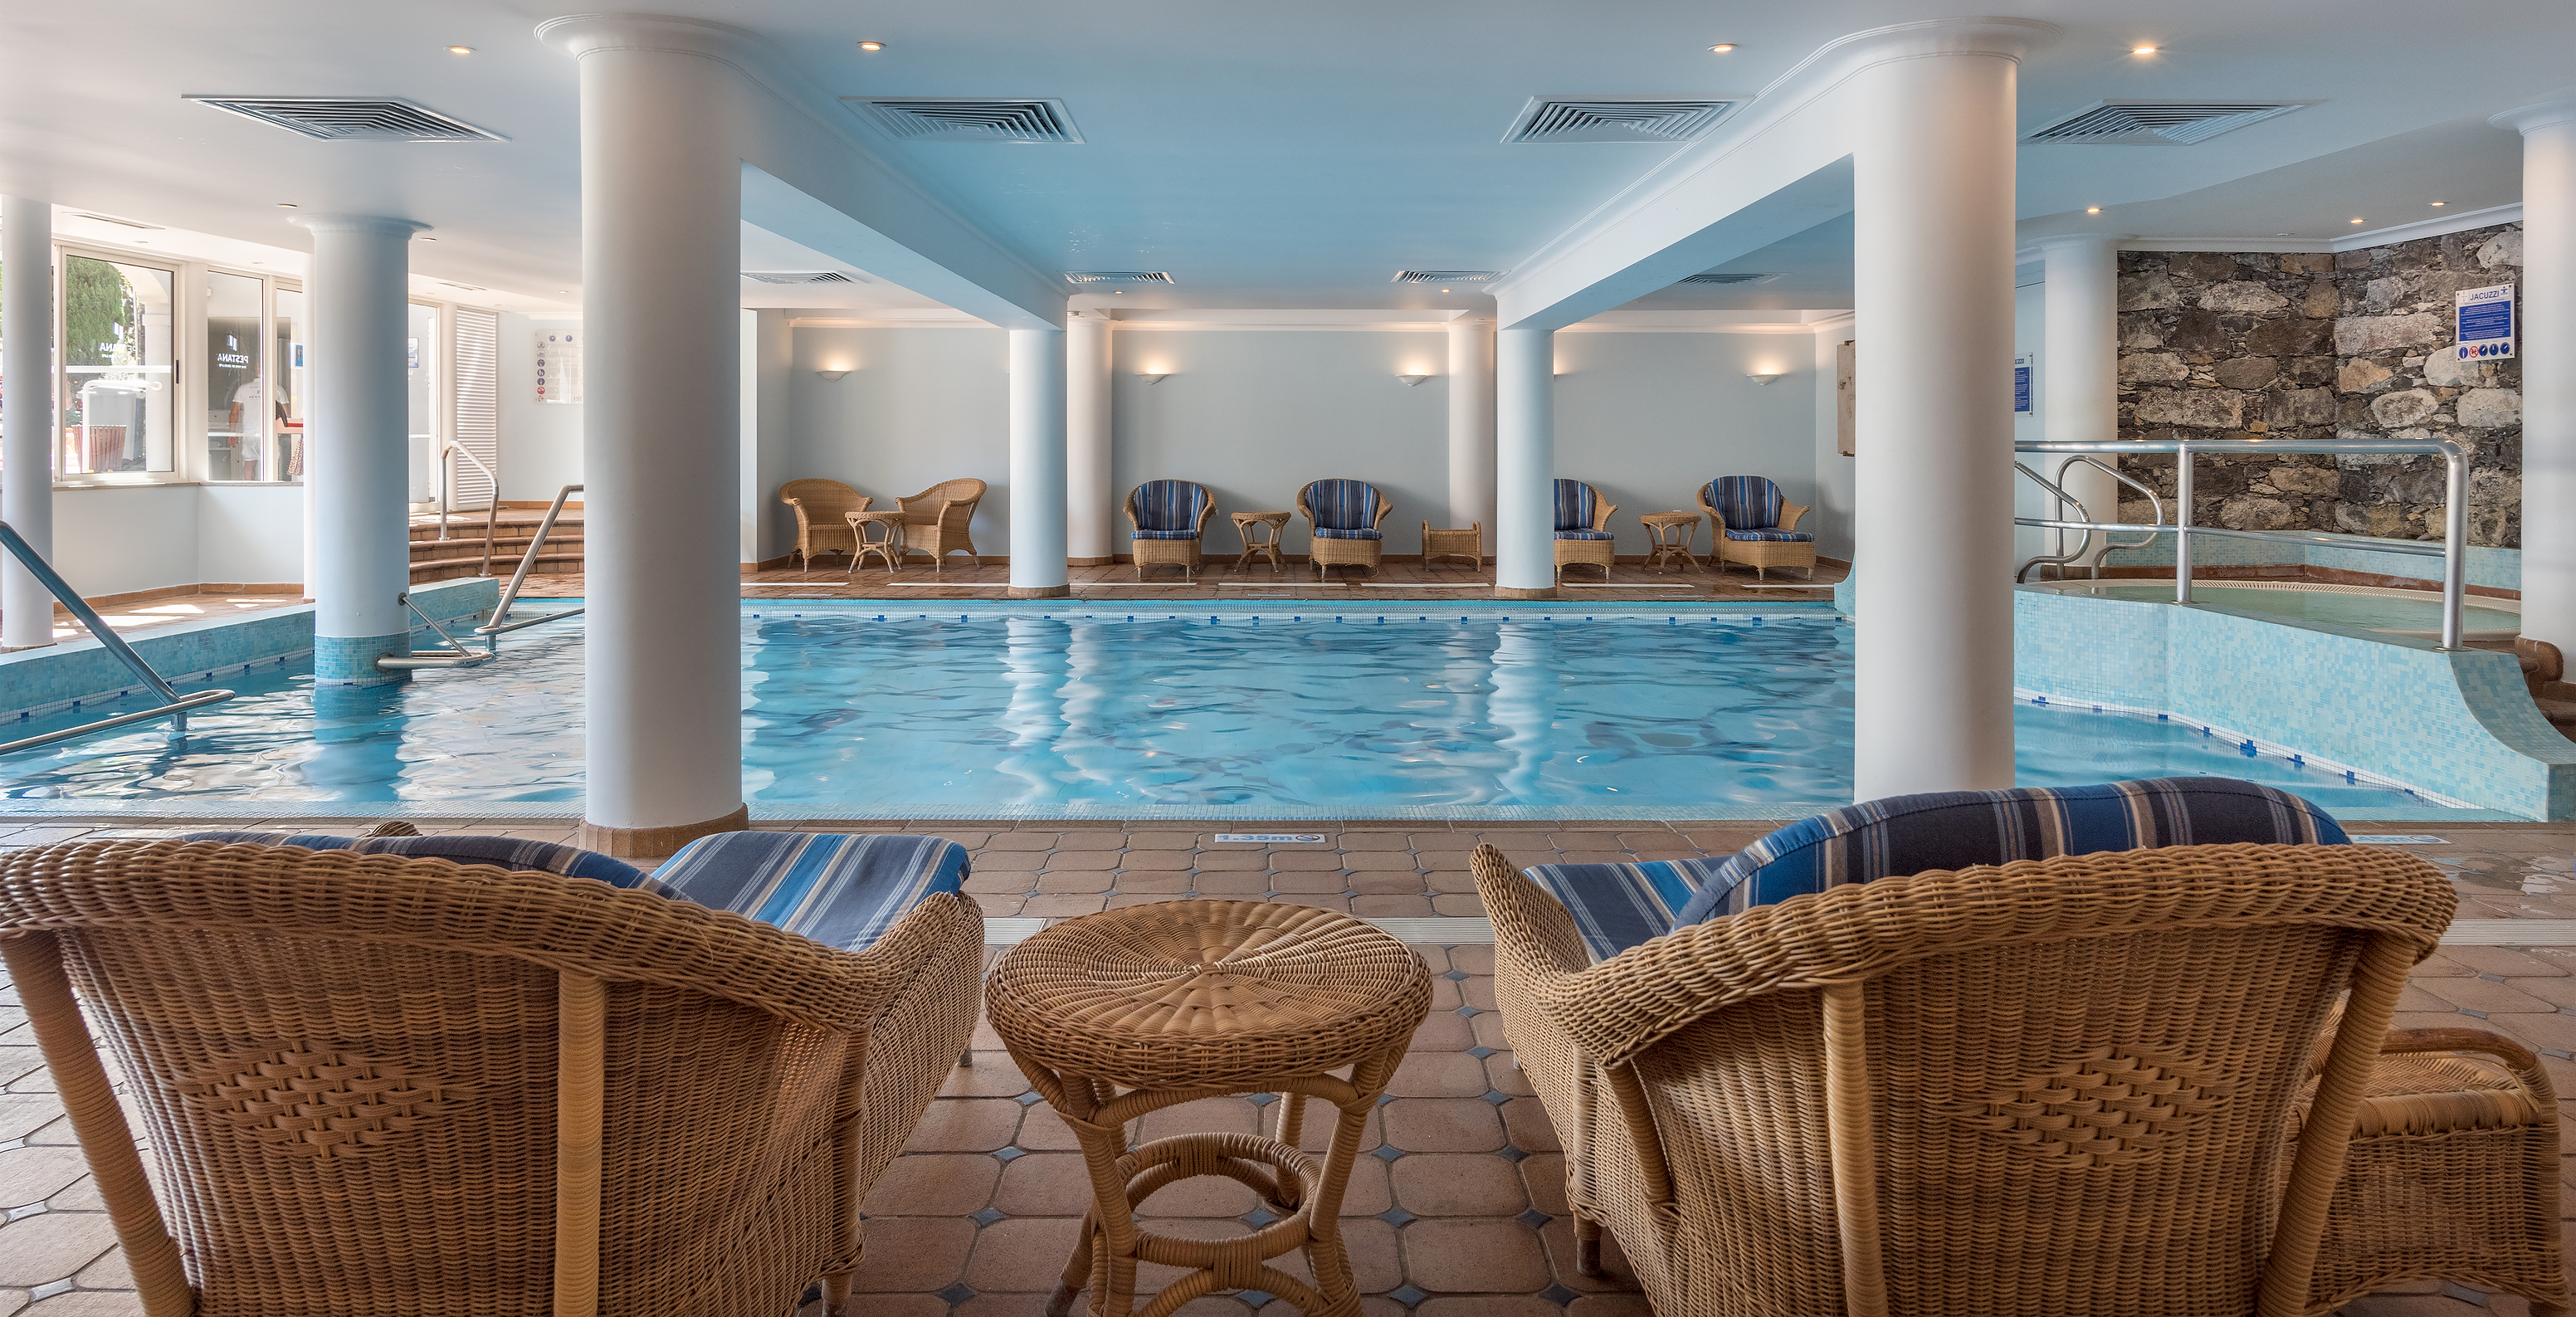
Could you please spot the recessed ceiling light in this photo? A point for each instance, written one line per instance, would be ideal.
(2356, 219)
(2092, 210)
(2439, 203)
(286, 205)
(2280, 235)
(871, 45)
(1444, 290)
(1722, 48)
(428, 239)
(2142, 50)
(460, 50)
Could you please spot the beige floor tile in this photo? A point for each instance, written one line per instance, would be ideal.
(935, 1184)
(52, 1246)
(1458, 1184)
(1022, 1254)
(966, 1125)
(914, 1253)
(1443, 1125)
(1474, 1256)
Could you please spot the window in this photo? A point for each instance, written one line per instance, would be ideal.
(119, 375)
(287, 374)
(423, 391)
(240, 416)
(477, 360)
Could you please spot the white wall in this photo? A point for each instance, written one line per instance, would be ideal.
(540, 441)
(2030, 329)
(1649, 418)
(250, 534)
(1837, 488)
(768, 358)
(919, 406)
(120, 540)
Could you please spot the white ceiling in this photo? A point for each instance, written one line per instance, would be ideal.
(1278, 156)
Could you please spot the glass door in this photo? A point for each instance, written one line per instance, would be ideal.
(287, 374)
(423, 392)
(239, 411)
(119, 369)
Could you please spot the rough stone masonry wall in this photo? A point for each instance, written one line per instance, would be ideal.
(2218, 345)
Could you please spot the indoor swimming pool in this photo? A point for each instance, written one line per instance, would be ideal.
(2336, 605)
(1217, 712)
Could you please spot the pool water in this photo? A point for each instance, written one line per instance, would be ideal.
(1309, 715)
(2380, 612)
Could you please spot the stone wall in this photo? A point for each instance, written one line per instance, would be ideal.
(2218, 345)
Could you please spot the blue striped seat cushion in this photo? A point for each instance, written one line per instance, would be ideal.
(1167, 506)
(1574, 506)
(1342, 505)
(1164, 535)
(509, 853)
(1616, 906)
(840, 889)
(1772, 536)
(1348, 533)
(1744, 502)
(1585, 535)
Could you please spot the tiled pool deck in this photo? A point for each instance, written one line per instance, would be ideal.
(1466, 1219)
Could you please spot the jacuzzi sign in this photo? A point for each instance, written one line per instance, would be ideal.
(2485, 325)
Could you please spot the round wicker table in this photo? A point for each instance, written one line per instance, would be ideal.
(1118, 1014)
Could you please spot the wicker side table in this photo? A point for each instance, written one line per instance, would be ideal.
(1246, 523)
(1118, 1014)
(1670, 535)
(888, 543)
(1466, 542)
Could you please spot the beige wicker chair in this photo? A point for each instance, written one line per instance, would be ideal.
(384, 1085)
(822, 517)
(1583, 528)
(1168, 505)
(1759, 554)
(2062, 1086)
(937, 520)
(1353, 507)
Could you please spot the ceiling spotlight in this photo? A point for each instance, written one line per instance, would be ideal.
(2092, 210)
(1153, 377)
(2438, 203)
(2356, 219)
(832, 375)
(460, 50)
(871, 45)
(1722, 48)
(2142, 50)
(1411, 380)
(1763, 379)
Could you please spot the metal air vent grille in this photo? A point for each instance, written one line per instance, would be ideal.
(1729, 277)
(1117, 277)
(1447, 276)
(971, 119)
(799, 277)
(352, 118)
(1615, 119)
(2170, 122)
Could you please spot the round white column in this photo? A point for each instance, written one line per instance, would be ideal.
(661, 252)
(1092, 516)
(26, 413)
(2079, 363)
(1524, 526)
(1933, 264)
(357, 470)
(1471, 424)
(2548, 353)
(1037, 465)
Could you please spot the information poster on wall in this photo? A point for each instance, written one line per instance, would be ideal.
(2022, 368)
(558, 368)
(2485, 323)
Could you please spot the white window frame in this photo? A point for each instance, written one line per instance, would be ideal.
(187, 427)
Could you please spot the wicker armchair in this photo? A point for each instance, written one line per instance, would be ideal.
(2052, 1086)
(1167, 519)
(388, 1085)
(1756, 525)
(937, 519)
(822, 512)
(1343, 516)
(1583, 527)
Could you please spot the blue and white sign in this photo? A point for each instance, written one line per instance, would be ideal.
(2022, 367)
(2485, 327)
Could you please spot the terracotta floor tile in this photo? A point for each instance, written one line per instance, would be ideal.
(1443, 1125)
(1140, 861)
(1458, 1184)
(1489, 1305)
(29, 1175)
(1122, 900)
(1387, 883)
(1319, 900)
(1438, 1075)
(1226, 861)
(1376, 841)
(1530, 1130)
(2489, 996)
(1022, 1254)
(1444, 992)
(1443, 861)
(1162, 841)
(965, 1125)
(2438, 966)
(1060, 906)
(2557, 992)
(1232, 884)
(1474, 1256)
(2556, 1033)
(1478, 989)
(999, 907)
(1378, 861)
(913, 1253)
(1543, 1179)
(1368, 1192)
(1004, 882)
(1308, 882)
(1458, 905)
(1160, 883)
(1443, 1032)
(1593, 857)
(2504, 961)
(1616, 1274)
(1306, 861)
(1009, 862)
(1586, 841)
(1082, 861)
(2416, 998)
(1230, 1115)
(1021, 841)
(987, 1074)
(1391, 907)
(1507, 1077)
(935, 1184)
(1092, 839)
(1610, 1305)
(1000, 1305)
(1044, 1184)
(1054, 881)
(1044, 1131)
(1472, 958)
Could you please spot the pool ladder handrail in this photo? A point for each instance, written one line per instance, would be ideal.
(447, 483)
(2084, 547)
(174, 704)
(454, 656)
(2453, 550)
(501, 622)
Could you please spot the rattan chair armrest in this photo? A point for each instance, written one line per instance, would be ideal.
(1789, 514)
(914, 1038)
(2521, 1060)
(1601, 519)
(1205, 512)
(1528, 923)
(1385, 506)
(1717, 524)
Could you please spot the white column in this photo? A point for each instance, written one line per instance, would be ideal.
(1933, 262)
(1471, 425)
(26, 413)
(661, 432)
(1525, 464)
(2079, 364)
(1092, 516)
(1037, 465)
(2548, 352)
(357, 471)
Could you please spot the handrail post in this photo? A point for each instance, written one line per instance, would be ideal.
(2182, 523)
(2455, 537)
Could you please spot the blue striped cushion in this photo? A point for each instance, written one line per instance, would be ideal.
(1772, 536)
(840, 889)
(498, 852)
(1617, 906)
(1342, 505)
(1585, 535)
(1169, 506)
(1164, 535)
(1744, 502)
(1354, 533)
(1574, 506)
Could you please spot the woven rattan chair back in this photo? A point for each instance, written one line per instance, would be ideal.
(2049, 1087)
(384, 1085)
(948, 510)
(822, 516)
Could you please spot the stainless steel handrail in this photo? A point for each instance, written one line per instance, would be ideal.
(2085, 546)
(2455, 514)
(491, 514)
(501, 622)
(454, 656)
(174, 704)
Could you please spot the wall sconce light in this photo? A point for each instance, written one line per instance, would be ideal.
(832, 375)
(1762, 379)
(1153, 377)
(1411, 380)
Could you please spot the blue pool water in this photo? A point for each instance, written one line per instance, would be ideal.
(1305, 715)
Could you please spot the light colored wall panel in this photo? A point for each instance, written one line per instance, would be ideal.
(1649, 418)
(919, 406)
(540, 441)
(250, 534)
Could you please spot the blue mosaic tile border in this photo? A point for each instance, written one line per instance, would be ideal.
(2498, 569)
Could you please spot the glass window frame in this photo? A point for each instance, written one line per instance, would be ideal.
(269, 368)
(187, 431)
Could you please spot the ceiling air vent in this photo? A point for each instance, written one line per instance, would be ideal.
(1729, 277)
(971, 119)
(111, 219)
(1615, 119)
(2170, 122)
(800, 277)
(1447, 276)
(352, 118)
(1117, 276)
